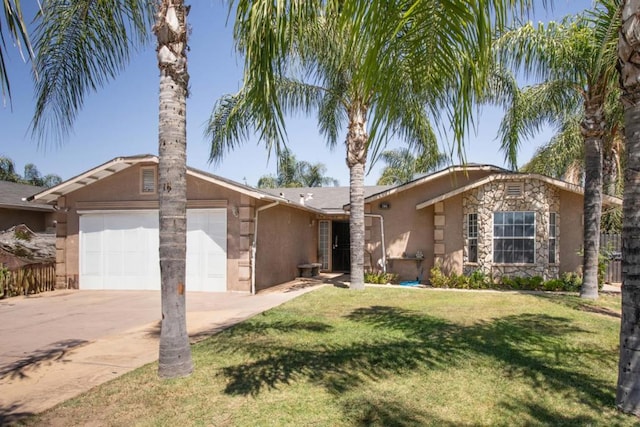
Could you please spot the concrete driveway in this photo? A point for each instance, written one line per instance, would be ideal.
(56, 345)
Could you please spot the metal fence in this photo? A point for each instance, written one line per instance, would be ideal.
(611, 244)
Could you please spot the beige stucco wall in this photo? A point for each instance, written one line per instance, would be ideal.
(122, 191)
(408, 230)
(571, 237)
(287, 237)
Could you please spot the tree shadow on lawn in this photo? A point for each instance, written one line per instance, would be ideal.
(577, 303)
(525, 345)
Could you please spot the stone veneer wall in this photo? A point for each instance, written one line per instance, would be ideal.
(537, 196)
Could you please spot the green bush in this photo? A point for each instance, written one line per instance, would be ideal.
(568, 282)
(379, 278)
(437, 278)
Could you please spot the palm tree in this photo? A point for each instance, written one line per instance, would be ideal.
(83, 44)
(576, 61)
(294, 173)
(628, 389)
(374, 67)
(330, 58)
(402, 166)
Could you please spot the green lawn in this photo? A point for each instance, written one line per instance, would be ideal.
(386, 357)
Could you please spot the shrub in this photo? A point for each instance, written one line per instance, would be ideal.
(379, 278)
(479, 280)
(437, 278)
(572, 282)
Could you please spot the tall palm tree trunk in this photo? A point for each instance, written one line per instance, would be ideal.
(357, 139)
(592, 129)
(171, 31)
(628, 391)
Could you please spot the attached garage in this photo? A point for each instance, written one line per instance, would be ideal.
(119, 250)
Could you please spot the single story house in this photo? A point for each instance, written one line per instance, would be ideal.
(244, 239)
(15, 210)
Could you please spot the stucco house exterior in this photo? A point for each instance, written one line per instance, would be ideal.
(15, 210)
(480, 217)
(244, 239)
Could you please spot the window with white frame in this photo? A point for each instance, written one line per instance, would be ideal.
(472, 237)
(514, 237)
(324, 240)
(553, 232)
(148, 180)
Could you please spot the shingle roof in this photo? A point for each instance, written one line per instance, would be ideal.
(325, 198)
(12, 195)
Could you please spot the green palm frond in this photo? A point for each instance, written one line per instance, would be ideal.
(80, 46)
(233, 120)
(12, 26)
(532, 108)
(564, 152)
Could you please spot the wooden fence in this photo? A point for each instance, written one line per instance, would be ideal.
(28, 279)
(611, 244)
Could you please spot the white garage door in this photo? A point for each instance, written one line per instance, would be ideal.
(119, 250)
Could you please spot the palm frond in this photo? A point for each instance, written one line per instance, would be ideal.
(533, 108)
(12, 26)
(233, 119)
(80, 46)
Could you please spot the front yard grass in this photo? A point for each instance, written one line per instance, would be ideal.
(385, 357)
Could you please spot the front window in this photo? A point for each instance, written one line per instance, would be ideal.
(472, 231)
(514, 237)
(552, 237)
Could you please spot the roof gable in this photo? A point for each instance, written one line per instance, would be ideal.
(119, 164)
(606, 200)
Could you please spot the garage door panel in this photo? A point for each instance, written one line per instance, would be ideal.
(119, 250)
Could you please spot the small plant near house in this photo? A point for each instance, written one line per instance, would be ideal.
(535, 283)
(438, 279)
(379, 277)
(22, 234)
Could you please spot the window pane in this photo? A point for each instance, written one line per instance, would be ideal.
(508, 218)
(498, 230)
(530, 217)
(518, 218)
(518, 231)
(473, 251)
(498, 218)
(529, 230)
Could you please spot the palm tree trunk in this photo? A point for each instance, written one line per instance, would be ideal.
(592, 129)
(628, 391)
(171, 31)
(357, 139)
(610, 171)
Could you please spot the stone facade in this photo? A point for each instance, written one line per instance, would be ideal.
(518, 195)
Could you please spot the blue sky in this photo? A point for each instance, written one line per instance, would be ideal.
(121, 118)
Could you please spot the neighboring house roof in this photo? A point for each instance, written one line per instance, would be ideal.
(118, 164)
(606, 200)
(14, 196)
(328, 199)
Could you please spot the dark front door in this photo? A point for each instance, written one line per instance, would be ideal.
(341, 245)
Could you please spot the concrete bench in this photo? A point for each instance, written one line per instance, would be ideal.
(309, 270)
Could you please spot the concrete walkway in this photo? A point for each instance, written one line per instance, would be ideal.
(57, 345)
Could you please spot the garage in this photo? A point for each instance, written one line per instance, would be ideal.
(119, 250)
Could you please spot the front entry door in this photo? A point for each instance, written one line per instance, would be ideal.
(341, 246)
